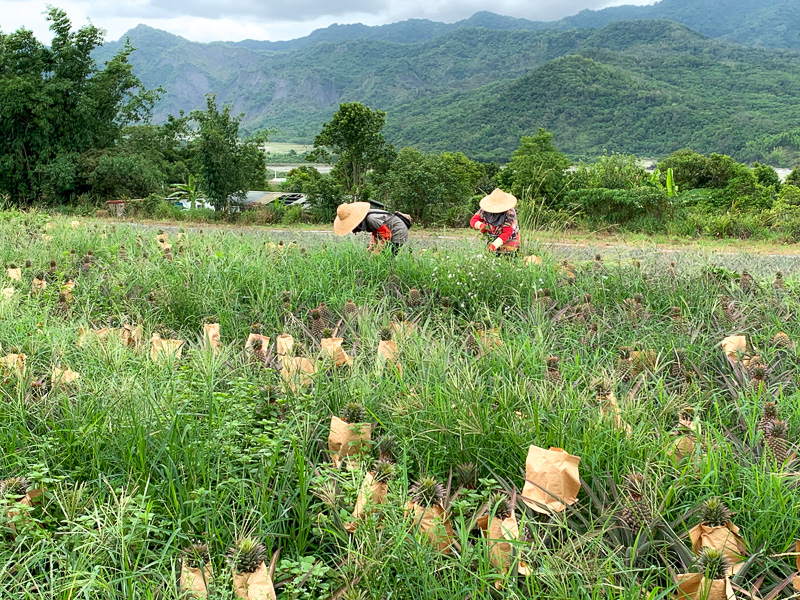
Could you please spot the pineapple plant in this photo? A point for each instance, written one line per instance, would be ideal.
(638, 305)
(286, 297)
(414, 297)
(777, 443)
(386, 448)
(14, 486)
(195, 556)
(500, 505)
(712, 563)
(317, 324)
(350, 308)
(586, 309)
(466, 475)
(597, 265)
(327, 333)
(383, 471)
(354, 412)
(28, 264)
(324, 311)
(678, 368)
(779, 284)
(769, 415)
(624, 366)
(727, 309)
(246, 554)
(385, 334)
(672, 271)
(781, 341)
(472, 345)
(544, 299)
(635, 514)
(592, 336)
(552, 375)
(714, 513)
(758, 375)
(427, 492)
(746, 282)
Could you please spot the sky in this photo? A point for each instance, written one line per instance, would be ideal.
(234, 20)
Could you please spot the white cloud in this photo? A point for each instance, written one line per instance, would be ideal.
(211, 20)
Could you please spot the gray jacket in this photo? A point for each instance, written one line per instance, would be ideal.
(374, 220)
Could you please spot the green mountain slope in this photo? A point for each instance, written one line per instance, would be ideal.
(664, 81)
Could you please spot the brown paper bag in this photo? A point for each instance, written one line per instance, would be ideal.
(296, 372)
(726, 539)
(163, 242)
(796, 581)
(500, 549)
(63, 377)
(557, 472)
(13, 364)
(370, 495)
(347, 439)
(643, 360)
(15, 274)
(489, 339)
(284, 344)
(735, 347)
(254, 586)
(46, 237)
(7, 293)
(67, 288)
(387, 354)
(432, 522)
(262, 352)
(211, 339)
(683, 447)
(694, 586)
(131, 335)
(38, 285)
(401, 330)
(29, 499)
(162, 350)
(74, 224)
(332, 348)
(194, 580)
(531, 260)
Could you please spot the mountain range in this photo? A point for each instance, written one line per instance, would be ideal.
(611, 79)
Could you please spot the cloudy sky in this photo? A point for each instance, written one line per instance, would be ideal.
(210, 20)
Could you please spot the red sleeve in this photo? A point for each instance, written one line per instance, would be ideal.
(383, 232)
(506, 234)
(474, 219)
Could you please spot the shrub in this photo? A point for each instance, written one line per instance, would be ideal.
(620, 206)
(131, 175)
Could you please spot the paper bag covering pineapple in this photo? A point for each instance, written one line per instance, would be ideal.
(251, 577)
(13, 364)
(284, 344)
(609, 406)
(7, 293)
(66, 289)
(332, 349)
(428, 517)
(388, 351)
(211, 338)
(17, 489)
(38, 284)
(258, 344)
(64, 378)
(502, 529)
(373, 491)
(196, 571)
(163, 242)
(14, 273)
(685, 444)
(735, 348)
(557, 472)
(716, 531)
(796, 581)
(711, 583)
(531, 260)
(350, 434)
(296, 372)
(163, 350)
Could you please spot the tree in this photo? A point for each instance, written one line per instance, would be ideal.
(537, 168)
(794, 177)
(427, 185)
(229, 166)
(56, 104)
(353, 139)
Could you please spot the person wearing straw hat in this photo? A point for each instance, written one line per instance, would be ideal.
(387, 228)
(498, 219)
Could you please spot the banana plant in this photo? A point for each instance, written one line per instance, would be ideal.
(672, 189)
(189, 191)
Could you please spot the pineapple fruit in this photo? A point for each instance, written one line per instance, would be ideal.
(500, 505)
(768, 416)
(553, 375)
(779, 284)
(777, 444)
(781, 341)
(385, 334)
(635, 514)
(427, 492)
(384, 471)
(746, 282)
(414, 297)
(715, 513)
(354, 412)
(196, 555)
(350, 308)
(317, 324)
(246, 555)
(713, 564)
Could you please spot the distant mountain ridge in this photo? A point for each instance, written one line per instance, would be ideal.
(642, 86)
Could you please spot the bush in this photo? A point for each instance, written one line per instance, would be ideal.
(614, 171)
(620, 206)
(129, 175)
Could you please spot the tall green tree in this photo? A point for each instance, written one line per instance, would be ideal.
(354, 142)
(537, 168)
(230, 166)
(56, 104)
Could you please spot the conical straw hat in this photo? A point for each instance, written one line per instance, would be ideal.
(498, 202)
(348, 216)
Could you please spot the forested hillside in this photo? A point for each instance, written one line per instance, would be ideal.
(647, 87)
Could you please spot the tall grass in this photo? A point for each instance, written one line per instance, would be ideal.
(140, 459)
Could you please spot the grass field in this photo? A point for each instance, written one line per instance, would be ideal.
(140, 458)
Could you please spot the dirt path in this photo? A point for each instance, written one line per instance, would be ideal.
(762, 260)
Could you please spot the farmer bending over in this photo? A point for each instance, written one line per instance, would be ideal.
(498, 219)
(387, 229)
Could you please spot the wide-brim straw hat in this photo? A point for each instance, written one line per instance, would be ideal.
(498, 202)
(348, 216)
